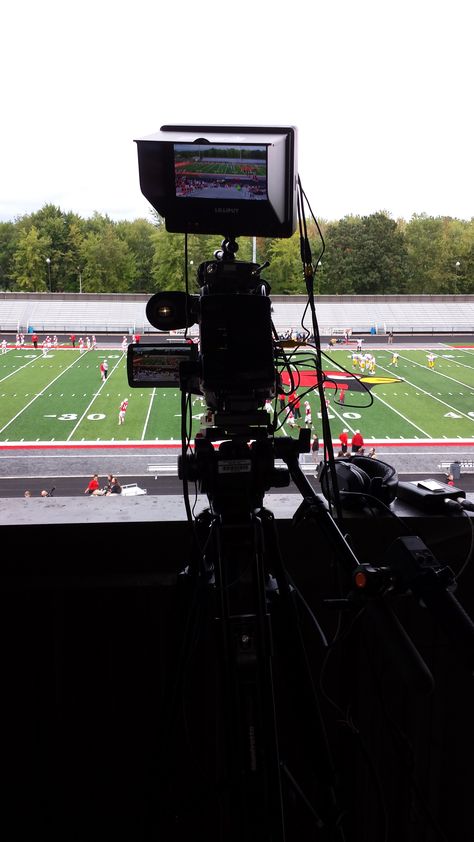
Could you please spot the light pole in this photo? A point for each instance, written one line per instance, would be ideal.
(458, 264)
(318, 272)
(80, 278)
(48, 261)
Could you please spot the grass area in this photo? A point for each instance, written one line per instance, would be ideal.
(61, 398)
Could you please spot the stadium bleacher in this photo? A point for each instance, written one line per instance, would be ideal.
(86, 313)
(379, 314)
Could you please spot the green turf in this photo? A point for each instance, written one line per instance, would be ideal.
(61, 398)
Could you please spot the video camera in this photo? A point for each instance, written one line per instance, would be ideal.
(231, 181)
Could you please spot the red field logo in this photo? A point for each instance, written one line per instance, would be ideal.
(338, 380)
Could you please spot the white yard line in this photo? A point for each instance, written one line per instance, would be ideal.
(38, 395)
(392, 408)
(441, 374)
(148, 413)
(430, 395)
(344, 421)
(92, 401)
(20, 368)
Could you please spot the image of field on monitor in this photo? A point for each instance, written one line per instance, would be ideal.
(157, 366)
(220, 171)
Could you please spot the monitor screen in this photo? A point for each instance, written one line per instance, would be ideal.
(221, 171)
(228, 180)
(159, 364)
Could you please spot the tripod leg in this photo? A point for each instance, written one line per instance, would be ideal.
(253, 808)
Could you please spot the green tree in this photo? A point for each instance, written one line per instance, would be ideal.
(30, 268)
(8, 245)
(64, 232)
(365, 255)
(339, 256)
(139, 237)
(285, 273)
(108, 265)
(423, 238)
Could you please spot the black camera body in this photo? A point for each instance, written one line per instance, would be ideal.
(233, 364)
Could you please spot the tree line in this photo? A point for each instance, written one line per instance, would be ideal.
(57, 251)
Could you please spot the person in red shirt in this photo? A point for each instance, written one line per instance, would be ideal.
(103, 368)
(357, 441)
(122, 411)
(295, 404)
(343, 438)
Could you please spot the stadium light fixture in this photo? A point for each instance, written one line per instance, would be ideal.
(457, 264)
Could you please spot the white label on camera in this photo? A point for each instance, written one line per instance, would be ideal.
(234, 466)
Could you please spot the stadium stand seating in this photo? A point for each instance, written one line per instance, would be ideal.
(87, 313)
(379, 314)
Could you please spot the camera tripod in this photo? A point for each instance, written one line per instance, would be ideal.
(274, 779)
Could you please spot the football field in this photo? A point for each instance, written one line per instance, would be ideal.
(60, 399)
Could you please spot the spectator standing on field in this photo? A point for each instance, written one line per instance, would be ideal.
(73, 339)
(315, 448)
(357, 442)
(34, 339)
(344, 439)
(295, 404)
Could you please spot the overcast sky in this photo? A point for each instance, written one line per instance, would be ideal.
(381, 93)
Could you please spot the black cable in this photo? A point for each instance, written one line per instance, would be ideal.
(185, 398)
(377, 503)
(351, 374)
(309, 280)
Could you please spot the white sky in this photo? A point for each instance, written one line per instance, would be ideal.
(381, 93)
